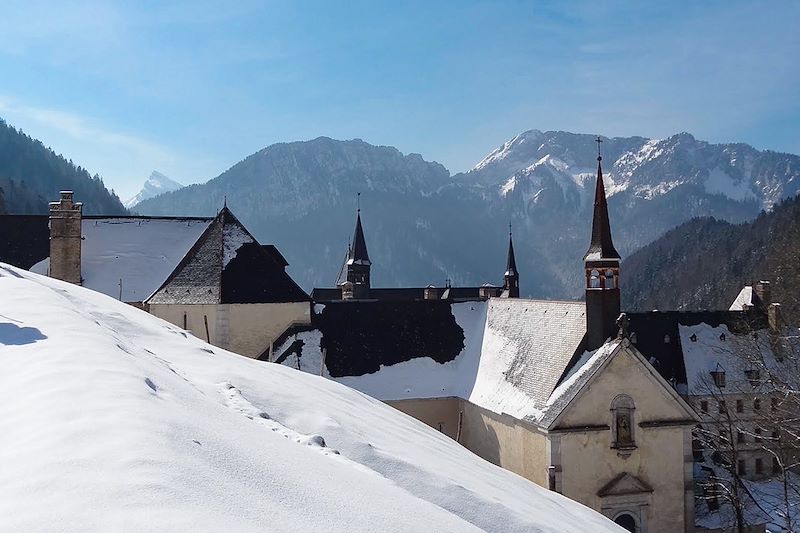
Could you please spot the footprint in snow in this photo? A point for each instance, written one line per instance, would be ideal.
(150, 384)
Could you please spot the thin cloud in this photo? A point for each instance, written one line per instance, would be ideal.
(84, 129)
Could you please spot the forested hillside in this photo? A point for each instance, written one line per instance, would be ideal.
(703, 263)
(31, 176)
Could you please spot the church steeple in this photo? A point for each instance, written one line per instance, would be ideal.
(357, 263)
(601, 264)
(511, 277)
(358, 250)
(601, 245)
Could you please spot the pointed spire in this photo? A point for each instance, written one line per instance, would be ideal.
(358, 250)
(511, 262)
(601, 246)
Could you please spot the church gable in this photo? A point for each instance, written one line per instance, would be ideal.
(623, 373)
(624, 484)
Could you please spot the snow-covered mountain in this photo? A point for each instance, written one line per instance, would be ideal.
(424, 226)
(116, 420)
(645, 168)
(156, 184)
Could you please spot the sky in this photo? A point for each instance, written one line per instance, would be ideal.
(190, 88)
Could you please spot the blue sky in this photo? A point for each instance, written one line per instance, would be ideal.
(190, 88)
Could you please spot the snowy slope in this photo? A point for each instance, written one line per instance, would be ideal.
(156, 184)
(114, 420)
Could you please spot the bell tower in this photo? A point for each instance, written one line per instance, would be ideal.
(601, 264)
(356, 281)
(511, 277)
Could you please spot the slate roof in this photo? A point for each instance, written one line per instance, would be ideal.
(360, 337)
(657, 336)
(24, 239)
(226, 265)
(141, 251)
(601, 246)
(538, 338)
(506, 355)
(401, 294)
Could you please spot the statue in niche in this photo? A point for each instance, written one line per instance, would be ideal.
(624, 434)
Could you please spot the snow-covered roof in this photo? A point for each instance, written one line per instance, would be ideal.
(707, 348)
(513, 353)
(114, 419)
(139, 251)
(743, 299)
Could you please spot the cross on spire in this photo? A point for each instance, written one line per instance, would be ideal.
(598, 140)
(358, 202)
(509, 229)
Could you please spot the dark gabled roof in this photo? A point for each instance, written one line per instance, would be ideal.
(360, 337)
(406, 294)
(511, 261)
(601, 246)
(358, 251)
(273, 251)
(24, 239)
(656, 335)
(227, 265)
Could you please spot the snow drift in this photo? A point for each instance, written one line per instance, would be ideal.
(116, 420)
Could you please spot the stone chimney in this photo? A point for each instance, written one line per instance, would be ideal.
(774, 317)
(764, 293)
(65, 239)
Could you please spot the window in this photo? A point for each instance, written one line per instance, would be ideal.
(666, 339)
(739, 406)
(741, 467)
(719, 378)
(622, 427)
(722, 337)
(759, 466)
(693, 338)
(758, 434)
(756, 405)
(610, 283)
(626, 521)
(704, 406)
(722, 406)
(594, 279)
(740, 437)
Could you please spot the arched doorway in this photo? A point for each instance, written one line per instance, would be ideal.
(627, 521)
